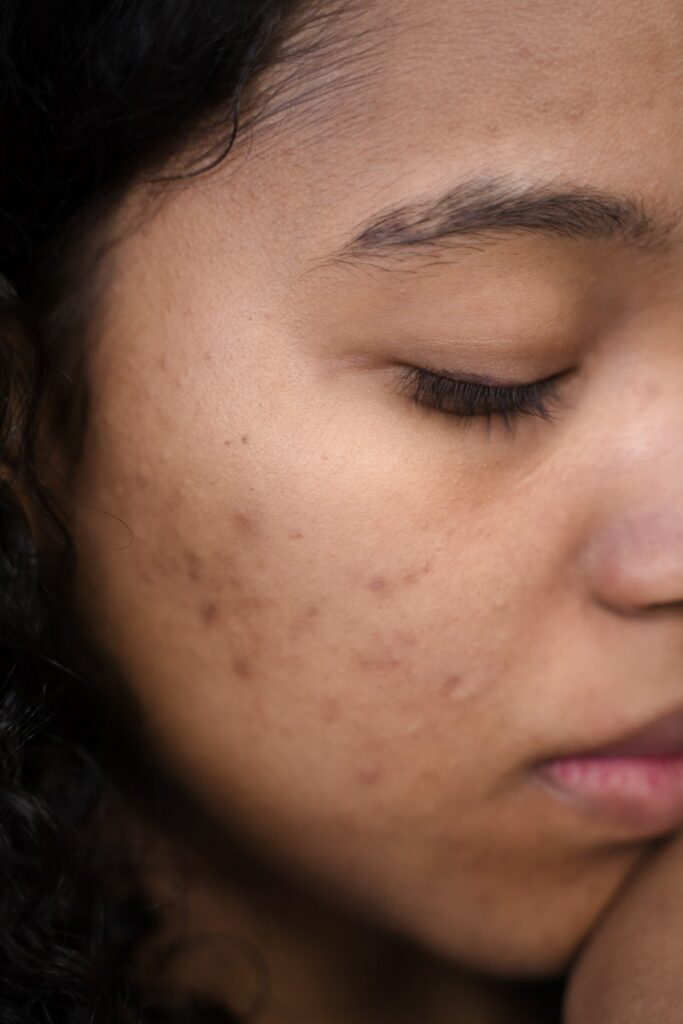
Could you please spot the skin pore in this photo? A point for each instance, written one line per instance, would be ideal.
(354, 624)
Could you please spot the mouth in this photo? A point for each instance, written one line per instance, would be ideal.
(634, 782)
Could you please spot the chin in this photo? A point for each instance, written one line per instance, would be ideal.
(523, 960)
(531, 960)
(517, 949)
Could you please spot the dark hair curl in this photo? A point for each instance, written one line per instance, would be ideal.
(96, 95)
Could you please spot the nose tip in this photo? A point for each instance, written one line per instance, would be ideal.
(636, 563)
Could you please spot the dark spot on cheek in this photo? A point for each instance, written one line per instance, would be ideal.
(329, 710)
(146, 576)
(233, 581)
(379, 664)
(304, 622)
(413, 575)
(368, 775)
(379, 585)
(245, 439)
(209, 612)
(243, 522)
(137, 481)
(451, 685)
(295, 535)
(194, 566)
(384, 587)
(227, 442)
(241, 668)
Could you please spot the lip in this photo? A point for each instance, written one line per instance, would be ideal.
(643, 795)
(634, 782)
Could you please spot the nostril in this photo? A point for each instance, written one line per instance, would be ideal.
(635, 564)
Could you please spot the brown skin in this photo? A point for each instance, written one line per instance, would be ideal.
(630, 969)
(355, 626)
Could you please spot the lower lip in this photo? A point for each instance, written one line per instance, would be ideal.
(642, 794)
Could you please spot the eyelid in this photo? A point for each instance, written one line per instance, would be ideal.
(467, 397)
(485, 380)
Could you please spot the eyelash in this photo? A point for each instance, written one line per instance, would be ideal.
(471, 399)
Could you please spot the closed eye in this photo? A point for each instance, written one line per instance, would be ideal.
(469, 398)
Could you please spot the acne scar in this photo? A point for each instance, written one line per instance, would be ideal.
(413, 575)
(379, 664)
(241, 668)
(193, 565)
(209, 612)
(243, 522)
(451, 685)
(368, 775)
(329, 711)
(303, 623)
(378, 584)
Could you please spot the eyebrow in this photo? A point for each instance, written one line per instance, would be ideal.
(482, 209)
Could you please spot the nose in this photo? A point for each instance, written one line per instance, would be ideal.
(634, 556)
(635, 561)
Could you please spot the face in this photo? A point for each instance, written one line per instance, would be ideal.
(355, 622)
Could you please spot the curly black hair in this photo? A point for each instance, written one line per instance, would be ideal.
(97, 95)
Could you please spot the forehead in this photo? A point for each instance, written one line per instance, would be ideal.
(540, 84)
(398, 101)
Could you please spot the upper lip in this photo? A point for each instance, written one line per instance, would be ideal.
(662, 737)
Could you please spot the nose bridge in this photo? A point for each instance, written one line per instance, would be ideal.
(635, 553)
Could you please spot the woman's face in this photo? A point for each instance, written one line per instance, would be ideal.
(355, 625)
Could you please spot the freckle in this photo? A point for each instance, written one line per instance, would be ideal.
(378, 584)
(413, 575)
(209, 612)
(194, 566)
(241, 668)
(451, 685)
(243, 522)
(368, 775)
(245, 439)
(140, 481)
(304, 623)
(227, 442)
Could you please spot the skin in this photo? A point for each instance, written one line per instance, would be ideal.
(354, 626)
(630, 969)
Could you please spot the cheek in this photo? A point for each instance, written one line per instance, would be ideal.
(262, 643)
(253, 620)
(283, 601)
(330, 669)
